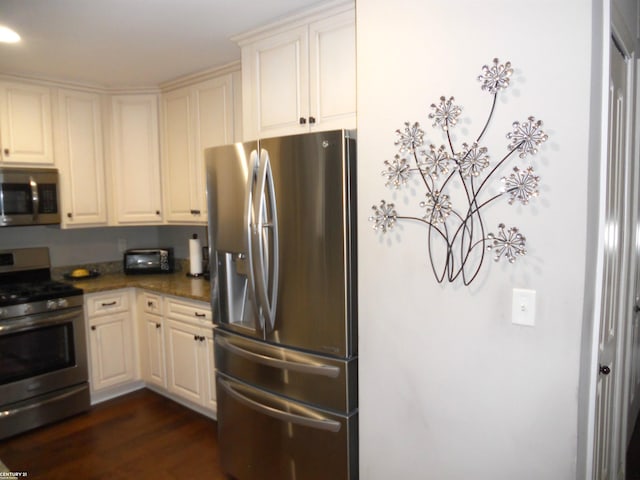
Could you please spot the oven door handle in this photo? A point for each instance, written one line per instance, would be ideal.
(14, 411)
(31, 322)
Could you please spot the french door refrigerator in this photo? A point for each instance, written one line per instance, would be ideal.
(283, 280)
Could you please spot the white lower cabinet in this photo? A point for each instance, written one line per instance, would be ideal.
(112, 344)
(176, 349)
(152, 358)
(189, 349)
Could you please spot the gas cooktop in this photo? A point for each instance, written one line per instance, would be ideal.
(17, 293)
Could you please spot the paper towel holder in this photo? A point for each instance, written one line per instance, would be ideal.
(196, 269)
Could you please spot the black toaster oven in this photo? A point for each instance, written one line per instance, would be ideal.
(148, 260)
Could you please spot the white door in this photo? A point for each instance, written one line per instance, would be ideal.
(609, 450)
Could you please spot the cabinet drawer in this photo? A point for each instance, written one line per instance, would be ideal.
(188, 311)
(110, 302)
(152, 303)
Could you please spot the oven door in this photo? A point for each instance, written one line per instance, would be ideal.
(41, 353)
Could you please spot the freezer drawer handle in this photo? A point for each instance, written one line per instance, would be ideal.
(317, 423)
(314, 369)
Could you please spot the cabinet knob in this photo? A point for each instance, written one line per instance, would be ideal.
(93, 327)
(303, 120)
(157, 212)
(69, 215)
(195, 337)
(6, 151)
(312, 120)
(158, 325)
(605, 370)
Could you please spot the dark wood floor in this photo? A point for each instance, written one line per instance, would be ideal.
(141, 435)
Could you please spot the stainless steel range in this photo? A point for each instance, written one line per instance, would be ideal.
(43, 355)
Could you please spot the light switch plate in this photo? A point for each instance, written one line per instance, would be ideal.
(523, 308)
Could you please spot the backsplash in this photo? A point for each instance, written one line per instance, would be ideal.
(99, 246)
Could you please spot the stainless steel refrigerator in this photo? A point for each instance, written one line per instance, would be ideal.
(283, 279)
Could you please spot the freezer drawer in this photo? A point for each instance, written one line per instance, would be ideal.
(326, 382)
(267, 437)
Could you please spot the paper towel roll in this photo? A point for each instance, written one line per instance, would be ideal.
(195, 256)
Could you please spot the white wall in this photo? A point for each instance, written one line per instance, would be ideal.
(449, 387)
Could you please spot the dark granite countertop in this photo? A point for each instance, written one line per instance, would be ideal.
(178, 284)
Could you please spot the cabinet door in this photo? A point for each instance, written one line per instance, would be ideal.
(153, 360)
(136, 159)
(275, 85)
(332, 72)
(183, 360)
(81, 159)
(25, 124)
(210, 370)
(214, 125)
(111, 347)
(179, 172)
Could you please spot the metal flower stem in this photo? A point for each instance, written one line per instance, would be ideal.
(467, 224)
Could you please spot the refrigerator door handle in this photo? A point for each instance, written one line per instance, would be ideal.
(318, 422)
(310, 368)
(266, 265)
(254, 162)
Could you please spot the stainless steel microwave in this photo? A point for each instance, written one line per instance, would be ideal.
(28, 196)
(148, 260)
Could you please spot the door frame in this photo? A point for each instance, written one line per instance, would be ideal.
(612, 26)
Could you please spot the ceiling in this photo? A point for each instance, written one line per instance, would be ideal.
(130, 43)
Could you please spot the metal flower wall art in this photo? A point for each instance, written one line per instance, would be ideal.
(457, 179)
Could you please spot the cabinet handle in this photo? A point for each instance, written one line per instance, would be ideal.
(6, 152)
(195, 212)
(201, 315)
(303, 120)
(312, 120)
(109, 304)
(69, 215)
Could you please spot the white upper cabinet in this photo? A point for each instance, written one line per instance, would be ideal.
(180, 187)
(300, 76)
(135, 157)
(80, 159)
(25, 124)
(194, 118)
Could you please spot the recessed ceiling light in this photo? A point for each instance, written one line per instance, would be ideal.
(8, 36)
